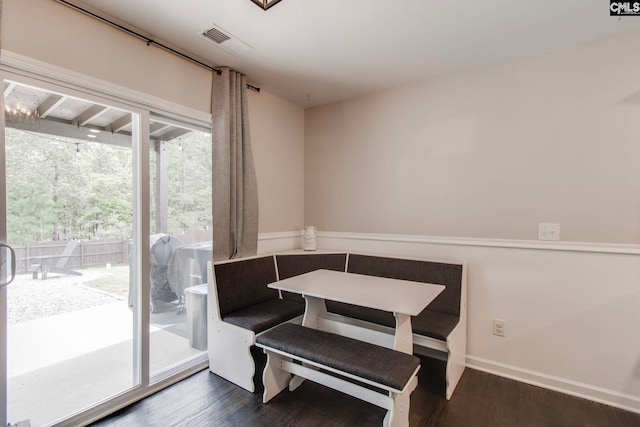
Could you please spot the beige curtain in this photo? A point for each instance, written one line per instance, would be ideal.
(235, 189)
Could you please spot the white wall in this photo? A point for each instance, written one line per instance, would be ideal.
(277, 135)
(62, 37)
(487, 153)
(55, 34)
(442, 168)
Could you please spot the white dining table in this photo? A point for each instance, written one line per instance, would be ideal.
(403, 298)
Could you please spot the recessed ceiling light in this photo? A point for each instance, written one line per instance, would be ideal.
(91, 135)
(94, 130)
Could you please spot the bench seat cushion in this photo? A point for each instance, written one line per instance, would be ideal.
(434, 324)
(381, 365)
(429, 323)
(362, 313)
(290, 265)
(262, 316)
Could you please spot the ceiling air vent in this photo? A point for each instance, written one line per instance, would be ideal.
(216, 35)
(226, 41)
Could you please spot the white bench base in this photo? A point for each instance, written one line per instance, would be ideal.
(278, 375)
(452, 351)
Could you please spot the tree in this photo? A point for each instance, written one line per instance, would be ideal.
(64, 189)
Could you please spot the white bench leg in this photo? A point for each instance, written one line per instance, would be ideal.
(230, 354)
(274, 379)
(398, 415)
(456, 359)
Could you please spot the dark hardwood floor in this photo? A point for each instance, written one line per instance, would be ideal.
(481, 399)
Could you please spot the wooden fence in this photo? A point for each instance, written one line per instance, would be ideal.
(91, 253)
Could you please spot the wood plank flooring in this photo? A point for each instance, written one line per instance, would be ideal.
(481, 399)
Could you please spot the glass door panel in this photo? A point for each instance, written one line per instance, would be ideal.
(69, 174)
(180, 244)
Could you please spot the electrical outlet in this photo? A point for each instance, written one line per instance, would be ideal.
(548, 231)
(499, 327)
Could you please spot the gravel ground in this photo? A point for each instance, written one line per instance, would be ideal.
(30, 298)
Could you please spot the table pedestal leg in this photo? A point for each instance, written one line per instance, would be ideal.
(404, 335)
(314, 310)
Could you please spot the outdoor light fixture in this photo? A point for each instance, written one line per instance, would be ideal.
(265, 4)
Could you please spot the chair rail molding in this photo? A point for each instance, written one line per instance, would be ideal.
(608, 248)
(279, 241)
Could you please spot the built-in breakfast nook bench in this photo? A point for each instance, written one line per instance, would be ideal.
(242, 305)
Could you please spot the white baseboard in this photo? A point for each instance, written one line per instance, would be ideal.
(573, 388)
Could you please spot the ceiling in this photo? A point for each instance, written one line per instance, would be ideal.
(317, 52)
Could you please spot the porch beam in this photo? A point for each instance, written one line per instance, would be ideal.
(162, 187)
(50, 104)
(89, 114)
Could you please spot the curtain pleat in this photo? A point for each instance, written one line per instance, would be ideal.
(235, 188)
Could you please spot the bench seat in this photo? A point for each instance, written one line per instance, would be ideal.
(434, 324)
(441, 328)
(380, 365)
(241, 305)
(262, 316)
(341, 363)
(429, 323)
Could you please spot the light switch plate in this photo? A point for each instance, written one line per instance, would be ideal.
(548, 231)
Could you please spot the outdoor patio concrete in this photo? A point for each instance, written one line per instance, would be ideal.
(60, 364)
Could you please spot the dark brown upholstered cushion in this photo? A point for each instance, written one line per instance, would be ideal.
(262, 316)
(290, 265)
(434, 324)
(384, 366)
(244, 283)
(428, 323)
(363, 313)
(449, 275)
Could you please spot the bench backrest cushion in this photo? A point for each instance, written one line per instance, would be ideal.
(290, 265)
(242, 283)
(449, 275)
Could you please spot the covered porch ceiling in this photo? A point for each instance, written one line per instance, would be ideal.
(37, 110)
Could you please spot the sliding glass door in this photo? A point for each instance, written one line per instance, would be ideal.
(180, 243)
(70, 164)
(108, 208)
(71, 210)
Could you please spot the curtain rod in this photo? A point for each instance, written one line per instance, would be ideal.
(147, 39)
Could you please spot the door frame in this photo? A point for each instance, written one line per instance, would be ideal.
(30, 72)
(3, 290)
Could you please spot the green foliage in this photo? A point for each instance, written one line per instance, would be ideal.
(64, 189)
(190, 200)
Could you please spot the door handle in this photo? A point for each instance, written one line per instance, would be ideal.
(8, 265)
